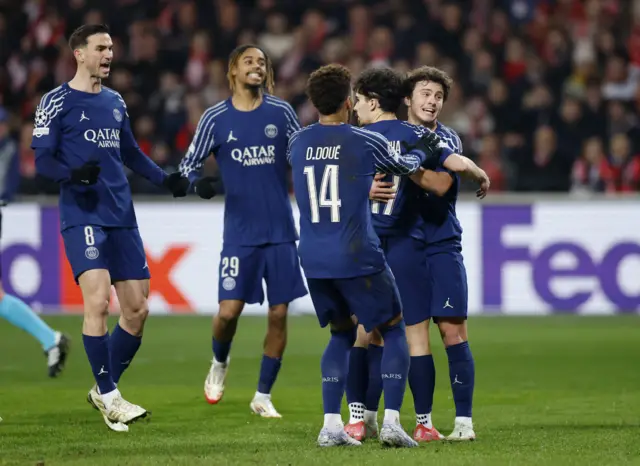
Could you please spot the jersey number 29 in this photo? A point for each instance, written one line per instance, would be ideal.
(328, 195)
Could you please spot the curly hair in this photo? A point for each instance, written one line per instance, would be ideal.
(431, 74)
(384, 84)
(329, 87)
(269, 82)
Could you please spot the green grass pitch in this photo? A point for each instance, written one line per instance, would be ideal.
(549, 391)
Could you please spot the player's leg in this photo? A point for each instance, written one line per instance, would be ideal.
(240, 280)
(284, 284)
(130, 277)
(54, 344)
(449, 310)
(407, 258)
(332, 309)
(408, 262)
(375, 302)
(87, 249)
(374, 385)
(357, 382)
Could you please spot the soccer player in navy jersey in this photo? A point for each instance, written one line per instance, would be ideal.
(83, 140)
(427, 89)
(248, 135)
(398, 223)
(333, 165)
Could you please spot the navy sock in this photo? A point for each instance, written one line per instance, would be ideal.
(422, 380)
(374, 388)
(269, 369)
(123, 347)
(221, 350)
(357, 376)
(97, 349)
(462, 376)
(334, 366)
(395, 365)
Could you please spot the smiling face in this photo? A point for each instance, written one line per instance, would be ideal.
(96, 55)
(425, 103)
(250, 70)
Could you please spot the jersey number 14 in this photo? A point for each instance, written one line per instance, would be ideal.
(328, 195)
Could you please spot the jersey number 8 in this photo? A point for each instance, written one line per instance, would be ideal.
(329, 195)
(88, 236)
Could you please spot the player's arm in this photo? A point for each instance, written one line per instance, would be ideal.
(391, 162)
(10, 173)
(138, 162)
(200, 148)
(466, 167)
(437, 182)
(45, 143)
(293, 124)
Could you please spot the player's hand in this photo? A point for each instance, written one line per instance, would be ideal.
(429, 143)
(484, 183)
(381, 190)
(86, 174)
(177, 184)
(205, 187)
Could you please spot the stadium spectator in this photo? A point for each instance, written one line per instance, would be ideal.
(572, 67)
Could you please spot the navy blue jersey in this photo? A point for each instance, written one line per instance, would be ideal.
(333, 167)
(441, 226)
(399, 216)
(74, 127)
(250, 148)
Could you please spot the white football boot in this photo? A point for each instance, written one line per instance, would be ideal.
(262, 405)
(214, 383)
(462, 430)
(119, 414)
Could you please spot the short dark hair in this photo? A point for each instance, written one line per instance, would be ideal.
(384, 84)
(79, 37)
(329, 87)
(428, 73)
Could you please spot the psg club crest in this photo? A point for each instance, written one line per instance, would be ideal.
(271, 131)
(229, 283)
(91, 253)
(117, 115)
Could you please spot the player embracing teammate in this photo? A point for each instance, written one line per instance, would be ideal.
(421, 237)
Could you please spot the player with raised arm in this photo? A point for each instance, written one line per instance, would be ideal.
(398, 223)
(248, 135)
(333, 165)
(427, 90)
(83, 140)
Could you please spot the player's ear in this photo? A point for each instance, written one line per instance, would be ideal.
(407, 101)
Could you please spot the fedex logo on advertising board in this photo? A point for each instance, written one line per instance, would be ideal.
(572, 259)
(35, 266)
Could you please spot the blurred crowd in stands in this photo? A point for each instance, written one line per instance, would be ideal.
(547, 93)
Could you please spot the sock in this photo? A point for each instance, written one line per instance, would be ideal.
(357, 376)
(424, 419)
(97, 349)
(123, 347)
(395, 366)
(370, 417)
(374, 388)
(22, 316)
(462, 376)
(333, 422)
(422, 380)
(221, 350)
(334, 366)
(269, 369)
(391, 416)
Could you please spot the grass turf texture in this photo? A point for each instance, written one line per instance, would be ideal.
(549, 390)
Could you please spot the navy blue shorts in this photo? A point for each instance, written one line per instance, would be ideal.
(373, 299)
(118, 250)
(242, 269)
(408, 261)
(448, 278)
